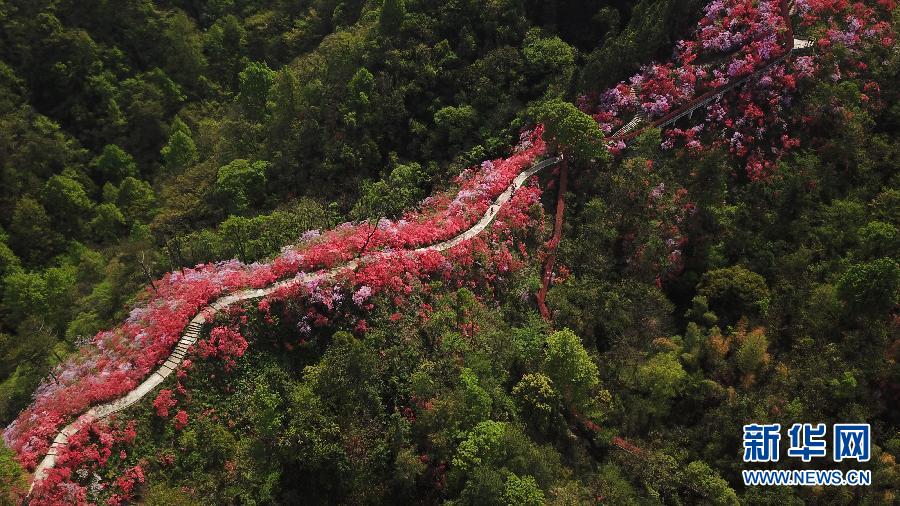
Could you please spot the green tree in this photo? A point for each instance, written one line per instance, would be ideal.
(67, 204)
(389, 198)
(113, 165)
(753, 352)
(345, 378)
(871, 287)
(361, 87)
(734, 291)
(480, 447)
(662, 376)
(551, 60)
(573, 132)
(571, 369)
(108, 222)
(184, 56)
(537, 399)
(32, 235)
(13, 479)
(255, 82)
(136, 200)
(179, 153)
(705, 481)
(878, 238)
(456, 123)
(225, 44)
(522, 491)
(242, 182)
(163, 494)
(9, 262)
(24, 293)
(391, 16)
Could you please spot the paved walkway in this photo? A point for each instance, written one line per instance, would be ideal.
(192, 331)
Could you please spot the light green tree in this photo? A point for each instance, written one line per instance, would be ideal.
(67, 204)
(180, 152)
(108, 222)
(571, 369)
(243, 182)
(522, 491)
(705, 481)
(255, 82)
(537, 399)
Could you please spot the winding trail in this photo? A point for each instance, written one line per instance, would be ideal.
(192, 331)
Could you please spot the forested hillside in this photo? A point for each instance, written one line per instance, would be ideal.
(739, 265)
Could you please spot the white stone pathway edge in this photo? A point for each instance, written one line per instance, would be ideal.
(192, 331)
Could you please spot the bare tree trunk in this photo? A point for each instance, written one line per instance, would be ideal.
(143, 261)
(553, 246)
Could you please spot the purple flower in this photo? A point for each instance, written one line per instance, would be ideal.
(362, 295)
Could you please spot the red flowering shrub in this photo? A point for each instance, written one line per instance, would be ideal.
(163, 403)
(125, 484)
(87, 450)
(181, 419)
(224, 343)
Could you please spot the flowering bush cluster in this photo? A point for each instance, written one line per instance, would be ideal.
(736, 38)
(224, 343)
(164, 402)
(477, 263)
(88, 449)
(117, 360)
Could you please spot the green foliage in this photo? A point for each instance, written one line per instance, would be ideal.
(162, 494)
(179, 153)
(551, 60)
(248, 238)
(752, 353)
(573, 132)
(255, 81)
(457, 123)
(661, 376)
(391, 15)
(345, 377)
(24, 294)
(9, 262)
(481, 446)
(13, 479)
(871, 287)
(570, 368)
(67, 204)
(114, 164)
(878, 238)
(391, 197)
(734, 291)
(709, 484)
(242, 183)
(108, 223)
(537, 399)
(522, 491)
(136, 200)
